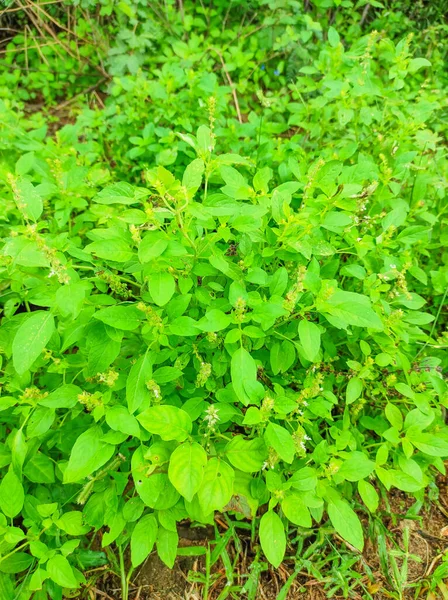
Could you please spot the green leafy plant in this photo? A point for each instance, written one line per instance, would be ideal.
(252, 326)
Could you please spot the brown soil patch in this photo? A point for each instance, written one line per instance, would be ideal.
(428, 540)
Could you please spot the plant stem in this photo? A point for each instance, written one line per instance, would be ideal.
(124, 580)
(441, 305)
(207, 575)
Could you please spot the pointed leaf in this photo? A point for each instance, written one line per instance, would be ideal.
(186, 469)
(272, 538)
(31, 338)
(309, 334)
(346, 522)
(143, 539)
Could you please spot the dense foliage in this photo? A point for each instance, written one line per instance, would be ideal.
(222, 283)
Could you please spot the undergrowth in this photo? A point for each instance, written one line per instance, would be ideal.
(222, 283)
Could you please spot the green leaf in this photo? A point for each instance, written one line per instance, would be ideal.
(281, 440)
(70, 298)
(246, 455)
(15, 563)
(351, 309)
(161, 287)
(333, 37)
(137, 393)
(31, 338)
(295, 511)
(275, 358)
(170, 422)
(357, 466)
(88, 454)
(394, 416)
(204, 139)
(143, 539)
(102, 349)
(40, 422)
(167, 542)
(217, 486)
(346, 522)
(253, 416)
(117, 193)
(37, 579)
(12, 495)
(72, 523)
(279, 282)
(119, 419)
(186, 469)
(28, 199)
(405, 390)
(233, 336)
(151, 247)
(39, 469)
(282, 357)
(244, 377)
(404, 481)
(214, 320)
(354, 389)
(304, 479)
(156, 490)
(261, 180)
(19, 450)
(369, 495)
(61, 572)
(184, 326)
(65, 396)
(192, 177)
(113, 249)
(127, 317)
(166, 374)
(272, 538)
(309, 335)
(432, 445)
(418, 63)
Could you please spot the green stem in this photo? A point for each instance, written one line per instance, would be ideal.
(120, 277)
(124, 579)
(259, 140)
(207, 575)
(21, 547)
(442, 304)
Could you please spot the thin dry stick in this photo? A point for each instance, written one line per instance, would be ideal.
(103, 594)
(6, 40)
(224, 23)
(11, 10)
(435, 560)
(83, 93)
(137, 596)
(52, 19)
(38, 47)
(232, 85)
(181, 10)
(36, 19)
(442, 509)
(100, 42)
(32, 16)
(57, 40)
(98, 99)
(365, 12)
(261, 591)
(26, 48)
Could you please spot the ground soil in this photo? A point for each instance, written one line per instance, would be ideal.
(428, 540)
